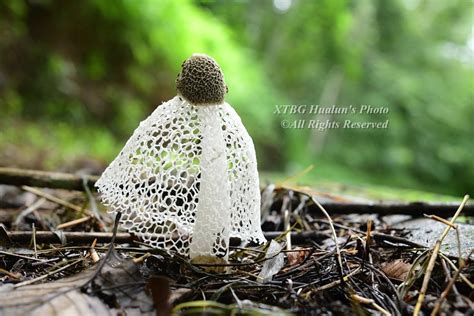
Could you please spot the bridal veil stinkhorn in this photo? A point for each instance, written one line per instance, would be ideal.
(187, 179)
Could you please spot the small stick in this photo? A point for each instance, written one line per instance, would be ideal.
(448, 288)
(29, 210)
(368, 233)
(395, 239)
(334, 236)
(453, 266)
(93, 205)
(434, 255)
(74, 222)
(447, 274)
(21, 256)
(298, 250)
(442, 220)
(108, 253)
(22, 237)
(44, 179)
(368, 301)
(367, 242)
(389, 208)
(376, 235)
(332, 284)
(94, 255)
(141, 258)
(33, 228)
(286, 219)
(10, 274)
(56, 200)
(287, 229)
(47, 274)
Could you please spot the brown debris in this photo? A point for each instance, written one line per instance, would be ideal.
(396, 269)
(374, 269)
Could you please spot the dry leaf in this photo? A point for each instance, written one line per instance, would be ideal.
(396, 269)
(51, 299)
(63, 297)
(296, 257)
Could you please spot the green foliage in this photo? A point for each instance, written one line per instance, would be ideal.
(87, 72)
(410, 57)
(121, 62)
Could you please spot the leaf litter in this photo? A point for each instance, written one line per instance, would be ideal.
(312, 264)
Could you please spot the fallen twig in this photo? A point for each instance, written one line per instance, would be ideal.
(448, 288)
(441, 220)
(332, 284)
(29, 210)
(334, 236)
(11, 275)
(74, 222)
(44, 179)
(55, 199)
(44, 276)
(71, 206)
(391, 208)
(6, 253)
(33, 230)
(368, 301)
(55, 180)
(107, 255)
(93, 253)
(22, 237)
(433, 258)
(453, 266)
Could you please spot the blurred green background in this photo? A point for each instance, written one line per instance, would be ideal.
(76, 78)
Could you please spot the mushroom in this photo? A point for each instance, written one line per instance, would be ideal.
(187, 178)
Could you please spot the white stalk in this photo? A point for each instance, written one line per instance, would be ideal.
(212, 224)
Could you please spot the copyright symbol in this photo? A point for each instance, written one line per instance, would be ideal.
(285, 123)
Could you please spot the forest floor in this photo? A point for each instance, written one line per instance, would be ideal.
(60, 251)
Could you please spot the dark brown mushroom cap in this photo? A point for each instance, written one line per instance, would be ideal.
(201, 80)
